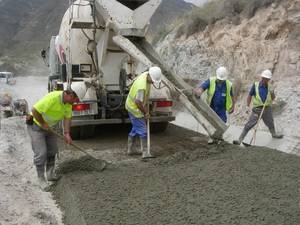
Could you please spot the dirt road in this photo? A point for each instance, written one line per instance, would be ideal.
(189, 183)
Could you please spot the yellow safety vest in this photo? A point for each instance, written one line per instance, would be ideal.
(52, 108)
(257, 102)
(212, 89)
(139, 84)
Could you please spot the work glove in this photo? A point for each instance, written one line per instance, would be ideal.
(147, 116)
(188, 92)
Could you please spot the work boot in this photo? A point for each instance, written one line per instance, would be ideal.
(210, 141)
(278, 136)
(145, 153)
(130, 145)
(50, 169)
(241, 138)
(131, 150)
(214, 140)
(275, 135)
(136, 147)
(236, 142)
(41, 178)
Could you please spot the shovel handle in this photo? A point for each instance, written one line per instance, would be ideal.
(256, 127)
(148, 135)
(148, 130)
(72, 144)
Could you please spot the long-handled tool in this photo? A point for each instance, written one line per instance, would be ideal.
(77, 147)
(90, 162)
(148, 154)
(256, 127)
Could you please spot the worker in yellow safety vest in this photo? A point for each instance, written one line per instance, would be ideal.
(136, 105)
(45, 114)
(219, 94)
(262, 94)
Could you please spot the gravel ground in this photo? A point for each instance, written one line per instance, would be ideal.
(189, 183)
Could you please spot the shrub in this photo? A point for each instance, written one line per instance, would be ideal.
(215, 10)
(198, 24)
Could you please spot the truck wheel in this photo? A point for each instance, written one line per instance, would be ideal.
(158, 127)
(75, 133)
(82, 132)
(8, 114)
(87, 131)
(49, 87)
(122, 80)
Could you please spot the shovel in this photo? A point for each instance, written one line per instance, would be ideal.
(77, 147)
(256, 127)
(94, 163)
(148, 154)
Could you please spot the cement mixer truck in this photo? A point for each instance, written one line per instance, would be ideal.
(91, 49)
(102, 46)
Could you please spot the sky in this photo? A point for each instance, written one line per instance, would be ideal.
(196, 2)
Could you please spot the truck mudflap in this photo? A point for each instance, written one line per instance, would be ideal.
(85, 122)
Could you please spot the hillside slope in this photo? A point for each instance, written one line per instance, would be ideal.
(270, 40)
(27, 25)
(26, 28)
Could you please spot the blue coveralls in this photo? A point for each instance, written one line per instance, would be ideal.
(139, 127)
(218, 102)
(263, 91)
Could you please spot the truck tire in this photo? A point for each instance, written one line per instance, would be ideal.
(122, 80)
(158, 127)
(82, 132)
(7, 114)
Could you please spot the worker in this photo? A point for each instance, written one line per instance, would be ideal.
(219, 94)
(262, 94)
(137, 107)
(45, 114)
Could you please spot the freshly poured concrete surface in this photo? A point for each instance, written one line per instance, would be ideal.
(189, 183)
(289, 144)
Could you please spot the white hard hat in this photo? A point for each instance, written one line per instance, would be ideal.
(222, 73)
(266, 74)
(79, 88)
(155, 74)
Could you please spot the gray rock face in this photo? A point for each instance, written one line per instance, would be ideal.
(26, 28)
(269, 40)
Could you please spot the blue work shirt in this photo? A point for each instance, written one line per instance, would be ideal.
(263, 91)
(218, 102)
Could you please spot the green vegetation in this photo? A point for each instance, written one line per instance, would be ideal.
(214, 10)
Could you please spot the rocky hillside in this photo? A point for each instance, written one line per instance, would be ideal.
(27, 25)
(168, 11)
(270, 39)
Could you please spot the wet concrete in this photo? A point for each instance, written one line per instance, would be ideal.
(84, 163)
(288, 144)
(189, 183)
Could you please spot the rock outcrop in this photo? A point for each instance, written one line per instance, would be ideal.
(270, 39)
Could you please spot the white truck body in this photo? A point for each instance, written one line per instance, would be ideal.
(88, 50)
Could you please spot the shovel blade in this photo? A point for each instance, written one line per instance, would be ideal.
(246, 144)
(148, 156)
